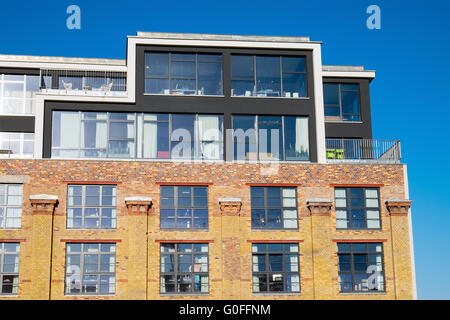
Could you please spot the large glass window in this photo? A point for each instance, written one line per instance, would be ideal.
(360, 267)
(357, 208)
(341, 101)
(183, 73)
(136, 135)
(16, 93)
(275, 267)
(16, 145)
(184, 268)
(268, 76)
(270, 138)
(10, 206)
(184, 207)
(90, 268)
(274, 207)
(9, 268)
(91, 207)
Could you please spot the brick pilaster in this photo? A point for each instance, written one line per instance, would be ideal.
(138, 210)
(230, 209)
(42, 206)
(321, 247)
(398, 211)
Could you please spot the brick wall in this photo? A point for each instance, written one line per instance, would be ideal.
(138, 235)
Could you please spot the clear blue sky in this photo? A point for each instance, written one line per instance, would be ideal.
(410, 54)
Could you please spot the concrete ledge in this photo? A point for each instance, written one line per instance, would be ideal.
(318, 200)
(43, 197)
(14, 179)
(138, 199)
(230, 200)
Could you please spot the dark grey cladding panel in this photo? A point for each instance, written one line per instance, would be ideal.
(361, 129)
(17, 124)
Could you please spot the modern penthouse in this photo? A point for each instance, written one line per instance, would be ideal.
(200, 167)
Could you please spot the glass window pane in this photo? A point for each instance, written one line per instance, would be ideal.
(350, 102)
(331, 94)
(210, 78)
(268, 76)
(156, 64)
(157, 86)
(294, 64)
(294, 85)
(296, 138)
(242, 67)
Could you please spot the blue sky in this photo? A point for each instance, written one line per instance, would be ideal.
(410, 54)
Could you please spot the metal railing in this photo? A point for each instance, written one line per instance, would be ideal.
(363, 150)
(85, 82)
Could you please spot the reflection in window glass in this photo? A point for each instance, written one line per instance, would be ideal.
(274, 208)
(183, 73)
(16, 145)
(357, 208)
(136, 135)
(90, 268)
(275, 267)
(356, 263)
(268, 76)
(10, 206)
(184, 207)
(9, 268)
(16, 93)
(341, 101)
(184, 268)
(261, 138)
(91, 207)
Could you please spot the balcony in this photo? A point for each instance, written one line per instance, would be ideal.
(363, 151)
(83, 82)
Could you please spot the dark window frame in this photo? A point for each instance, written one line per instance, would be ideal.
(99, 273)
(340, 91)
(196, 78)
(175, 261)
(269, 272)
(175, 206)
(283, 136)
(282, 73)
(5, 207)
(84, 206)
(365, 208)
(354, 272)
(266, 208)
(12, 275)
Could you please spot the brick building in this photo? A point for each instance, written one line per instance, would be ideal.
(201, 167)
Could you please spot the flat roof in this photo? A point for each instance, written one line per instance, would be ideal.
(221, 37)
(47, 59)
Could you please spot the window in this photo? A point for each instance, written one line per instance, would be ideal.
(357, 208)
(274, 208)
(268, 76)
(341, 101)
(10, 206)
(136, 135)
(16, 145)
(183, 73)
(184, 207)
(184, 268)
(9, 268)
(90, 268)
(270, 138)
(16, 93)
(360, 267)
(275, 267)
(91, 207)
